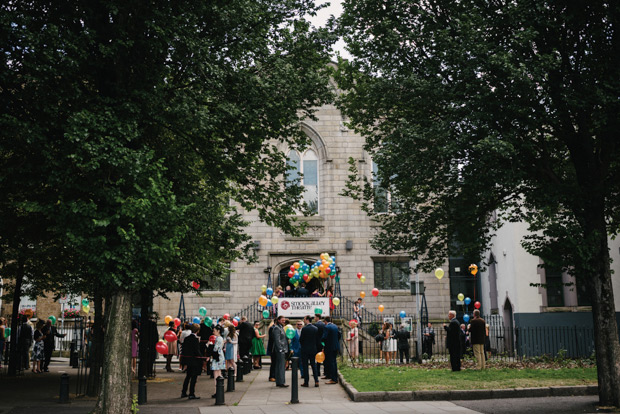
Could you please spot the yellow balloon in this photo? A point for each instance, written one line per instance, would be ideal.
(86, 309)
(320, 357)
(362, 294)
(262, 300)
(439, 273)
(296, 265)
(168, 319)
(336, 301)
(381, 308)
(274, 300)
(263, 288)
(363, 279)
(460, 296)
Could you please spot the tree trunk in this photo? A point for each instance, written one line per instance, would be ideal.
(96, 355)
(604, 316)
(115, 393)
(15, 357)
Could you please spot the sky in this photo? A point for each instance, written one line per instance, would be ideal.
(335, 8)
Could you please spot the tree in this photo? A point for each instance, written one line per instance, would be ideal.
(474, 106)
(149, 119)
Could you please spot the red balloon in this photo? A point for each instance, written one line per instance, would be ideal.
(212, 339)
(196, 285)
(306, 278)
(352, 321)
(359, 275)
(234, 322)
(177, 322)
(375, 292)
(161, 347)
(292, 268)
(170, 336)
(477, 305)
(226, 316)
(291, 274)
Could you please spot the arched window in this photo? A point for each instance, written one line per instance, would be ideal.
(307, 166)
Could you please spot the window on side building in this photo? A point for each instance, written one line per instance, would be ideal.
(392, 274)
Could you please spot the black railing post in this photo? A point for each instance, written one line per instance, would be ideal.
(219, 391)
(64, 389)
(142, 390)
(231, 380)
(240, 369)
(295, 381)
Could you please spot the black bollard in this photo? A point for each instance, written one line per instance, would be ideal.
(294, 381)
(248, 364)
(231, 380)
(64, 389)
(240, 369)
(219, 391)
(142, 390)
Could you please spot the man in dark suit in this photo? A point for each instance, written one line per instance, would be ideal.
(192, 359)
(453, 341)
(50, 333)
(204, 334)
(319, 338)
(280, 351)
(402, 336)
(246, 333)
(308, 341)
(302, 292)
(331, 339)
(272, 366)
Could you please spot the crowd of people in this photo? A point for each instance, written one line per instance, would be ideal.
(471, 339)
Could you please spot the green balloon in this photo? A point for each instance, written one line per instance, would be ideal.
(202, 311)
(53, 319)
(208, 321)
(290, 334)
(318, 311)
(266, 314)
(85, 302)
(7, 332)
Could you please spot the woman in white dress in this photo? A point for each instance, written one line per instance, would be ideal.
(389, 344)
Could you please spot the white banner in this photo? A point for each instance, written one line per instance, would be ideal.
(300, 307)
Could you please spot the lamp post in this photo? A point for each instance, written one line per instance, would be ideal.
(418, 311)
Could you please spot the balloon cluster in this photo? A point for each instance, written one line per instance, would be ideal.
(322, 269)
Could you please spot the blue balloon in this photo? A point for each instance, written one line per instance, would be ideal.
(467, 300)
(269, 292)
(466, 318)
(402, 314)
(269, 303)
(196, 320)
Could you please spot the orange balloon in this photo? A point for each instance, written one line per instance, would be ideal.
(320, 357)
(381, 308)
(362, 294)
(262, 300)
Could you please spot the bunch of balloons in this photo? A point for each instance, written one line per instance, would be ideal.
(322, 269)
(85, 306)
(361, 277)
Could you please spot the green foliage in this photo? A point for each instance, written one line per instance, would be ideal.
(134, 404)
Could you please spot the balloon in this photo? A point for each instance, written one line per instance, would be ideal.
(226, 316)
(359, 275)
(177, 322)
(53, 319)
(85, 302)
(265, 314)
(318, 311)
(235, 323)
(170, 336)
(208, 321)
(237, 318)
(290, 334)
(196, 320)
(274, 299)
(460, 296)
(296, 265)
(381, 308)
(375, 292)
(263, 288)
(262, 300)
(473, 269)
(336, 301)
(161, 347)
(362, 294)
(466, 318)
(269, 303)
(195, 285)
(352, 321)
(269, 292)
(320, 357)
(439, 273)
(86, 309)
(202, 311)
(403, 314)
(291, 274)
(292, 268)
(168, 319)
(477, 305)
(7, 332)
(212, 339)
(363, 279)
(467, 300)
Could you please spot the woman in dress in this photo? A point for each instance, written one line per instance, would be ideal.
(387, 342)
(232, 339)
(330, 294)
(134, 346)
(172, 348)
(37, 352)
(258, 349)
(354, 349)
(217, 358)
(279, 292)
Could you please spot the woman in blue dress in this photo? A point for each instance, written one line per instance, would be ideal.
(218, 363)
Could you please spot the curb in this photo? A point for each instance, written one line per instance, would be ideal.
(453, 395)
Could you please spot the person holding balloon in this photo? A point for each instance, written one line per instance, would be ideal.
(171, 339)
(218, 362)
